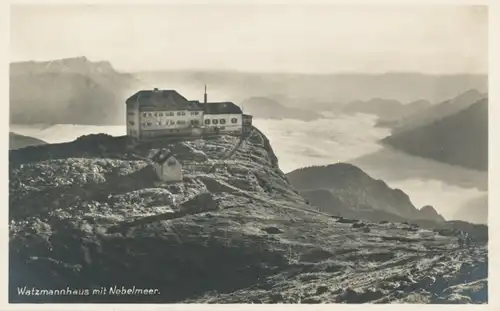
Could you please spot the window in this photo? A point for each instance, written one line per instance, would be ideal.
(159, 123)
(222, 121)
(144, 114)
(161, 114)
(155, 114)
(215, 121)
(234, 120)
(181, 122)
(131, 122)
(222, 127)
(150, 114)
(207, 121)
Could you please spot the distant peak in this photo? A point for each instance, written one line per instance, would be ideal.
(82, 59)
(470, 92)
(431, 212)
(429, 208)
(343, 165)
(346, 168)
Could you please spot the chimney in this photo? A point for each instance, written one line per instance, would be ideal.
(205, 98)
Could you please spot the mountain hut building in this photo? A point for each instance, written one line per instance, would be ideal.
(166, 113)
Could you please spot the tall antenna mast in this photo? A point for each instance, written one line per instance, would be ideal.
(205, 98)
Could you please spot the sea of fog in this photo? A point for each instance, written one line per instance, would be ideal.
(337, 138)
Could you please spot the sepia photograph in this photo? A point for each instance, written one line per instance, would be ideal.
(248, 154)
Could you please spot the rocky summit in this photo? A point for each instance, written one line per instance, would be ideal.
(89, 222)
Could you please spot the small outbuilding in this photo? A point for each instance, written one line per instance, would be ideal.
(167, 167)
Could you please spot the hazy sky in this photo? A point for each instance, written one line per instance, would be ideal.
(285, 38)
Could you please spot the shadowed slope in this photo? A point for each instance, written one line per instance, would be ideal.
(460, 139)
(17, 141)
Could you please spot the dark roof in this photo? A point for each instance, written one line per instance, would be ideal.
(169, 99)
(221, 108)
(162, 156)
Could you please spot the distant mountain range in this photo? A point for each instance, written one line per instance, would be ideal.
(458, 139)
(311, 90)
(17, 141)
(430, 113)
(387, 110)
(262, 107)
(76, 90)
(345, 190)
(72, 90)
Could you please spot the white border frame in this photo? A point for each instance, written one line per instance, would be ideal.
(494, 196)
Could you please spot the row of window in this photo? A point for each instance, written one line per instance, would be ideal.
(170, 122)
(183, 122)
(168, 114)
(221, 121)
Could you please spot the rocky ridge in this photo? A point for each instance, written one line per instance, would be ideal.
(89, 215)
(345, 190)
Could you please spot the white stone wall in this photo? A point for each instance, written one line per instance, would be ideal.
(132, 119)
(171, 170)
(161, 120)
